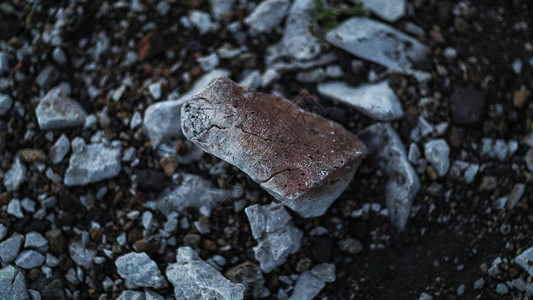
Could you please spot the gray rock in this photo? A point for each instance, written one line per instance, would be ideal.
(155, 90)
(298, 39)
(308, 286)
(267, 16)
(29, 259)
(276, 235)
(438, 155)
(494, 148)
(58, 55)
(250, 275)
(193, 278)
(528, 158)
(523, 260)
(9, 248)
(3, 231)
(12, 284)
(5, 103)
(376, 100)
(47, 77)
(34, 295)
(4, 63)
(314, 75)
(15, 176)
(209, 62)
(325, 271)
(378, 43)
(502, 289)
(471, 172)
(478, 284)
(59, 149)
(162, 120)
(386, 148)
(92, 163)
(388, 10)
(252, 80)
(82, 256)
(34, 240)
(28, 205)
(15, 209)
(56, 110)
(131, 295)
(415, 157)
(201, 20)
(140, 270)
(221, 7)
(194, 191)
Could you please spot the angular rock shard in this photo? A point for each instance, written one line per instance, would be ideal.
(378, 43)
(193, 278)
(12, 284)
(300, 158)
(140, 270)
(388, 10)
(298, 38)
(275, 233)
(387, 150)
(56, 110)
(377, 101)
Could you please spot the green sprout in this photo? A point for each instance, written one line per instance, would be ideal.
(329, 18)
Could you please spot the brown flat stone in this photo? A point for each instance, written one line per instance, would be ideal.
(300, 158)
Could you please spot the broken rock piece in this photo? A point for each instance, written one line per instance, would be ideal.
(193, 278)
(378, 43)
(301, 159)
(387, 150)
(275, 233)
(57, 110)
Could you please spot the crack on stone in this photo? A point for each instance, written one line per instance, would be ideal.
(251, 133)
(207, 129)
(275, 174)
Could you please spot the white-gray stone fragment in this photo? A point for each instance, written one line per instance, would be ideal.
(140, 270)
(56, 110)
(15, 209)
(375, 100)
(378, 43)
(92, 163)
(388, 10)
(47, 77)
(155, 90)
(298, 38)
(82, 256)
(471, 172)
(438, 155)
(193, 278)
(3, 231)
(59, 149)
(29, 259)
(276, 235)
(524, 260)
(494, 148)
(252, 80)
(12, 284)
(220, 7)
(201, 20)
(34, 240)
(162, 120)
(9, 248)
(310, 283)
(209, 62)
(388, 151)
(131, 295)
(5, 103)
(4, 63)
(15, 176)
(194, 191)
(151, 295)
(267, 16)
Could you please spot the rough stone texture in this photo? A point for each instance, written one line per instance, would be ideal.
(267, 16)
(10, 248)
(307, 286)
(12, 284)
(250, 275)
(131, 295)
(56, 110)
(301, 159)
(3, 231)
(162, 119)
(140, 270)
(15, 176)
(377, 101)
(378, 43)
(467, 105)
(438, 155)
(92, 163)
(524, 260)
(47, 77)
(29, 259)
(388, 10)
(82, 256)
(276, 235)
(220, 7)
(59, 149)
(387, 150)
(298, 38)
(193, 278)
(194, 191)
(5, 103)
(34, 240)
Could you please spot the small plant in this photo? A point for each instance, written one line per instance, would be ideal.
(328, 18)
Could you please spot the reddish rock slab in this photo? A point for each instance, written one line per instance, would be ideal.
(300, 158)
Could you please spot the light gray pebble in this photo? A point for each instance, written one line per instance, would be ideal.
(59, 149)
(15, 209)
(502, 289)
(29, 259)
(15, 176)
(438, 155)
(478, 284)
(5, 103)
